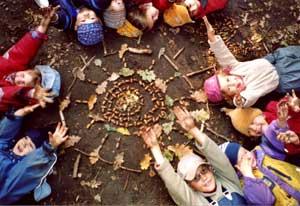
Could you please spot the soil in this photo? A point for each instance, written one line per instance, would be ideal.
(275, 21)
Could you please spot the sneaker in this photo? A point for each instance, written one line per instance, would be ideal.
(42, 3)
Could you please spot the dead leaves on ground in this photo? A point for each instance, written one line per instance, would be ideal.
(145, 163)
(119, 160)
(199, 96)
(94, 184)
(101, 88)
(161, 84)
(200, 115)
(71, 141)
(180, 150)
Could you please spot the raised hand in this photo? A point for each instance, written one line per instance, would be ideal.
(282, 113)
(150, 135)
(245, 166)
(26, 110)
(210, 30)
(43, 96)
(47, 16)
(239, 101)
(59, 136)
(185, 119)
(293, 101)
(288, 137)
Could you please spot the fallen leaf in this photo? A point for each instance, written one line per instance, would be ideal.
(110, 128)
(161, 84)
(169, 101)
(189, 136)
(119, 159)
(199, 96)
(92, 184)
(145, 163)
(177, 74)
(171, 116)
(168, 155)
(200, 115)
(98, 62)
(96, 117)
(98, 198)
(94, 157)
(113, 77)
(71, 141)
(65, 103)
(92, 101)
(101, 88)
(180, 150)
(123, 131)
(167, 127)
(152, 173)
(147, 75)
(126, 72)
(79, 74)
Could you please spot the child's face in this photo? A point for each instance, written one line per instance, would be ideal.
(116, 5)
(85, 16)
(231, 84)
(192, 6)
(25, 78)
(24, 146)
(151, 14)
(257, 126)
(244, 154)
(204, 181)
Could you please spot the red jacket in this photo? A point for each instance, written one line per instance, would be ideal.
(17, 59)
(209, 6)
(294, 124)
(161, 5)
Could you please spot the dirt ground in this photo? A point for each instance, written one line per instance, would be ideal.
(254, 24)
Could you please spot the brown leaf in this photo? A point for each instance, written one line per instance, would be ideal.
(161, 85)
(94, 184)
(119, 159)
(199, 96)
(65, 103)
(96, 117)
(180, 150)
(79, 73)
(71, 141)
(152, 173)
(91, 102)
(114, 76)
(94, 156)
(101, 88)
(145, 163)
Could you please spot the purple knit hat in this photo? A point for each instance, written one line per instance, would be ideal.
(212, 89)
(90, 34)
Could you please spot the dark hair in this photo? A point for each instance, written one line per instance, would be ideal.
(137, 17)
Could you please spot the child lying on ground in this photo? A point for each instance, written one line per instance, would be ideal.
(265, 180)
(26, 159)
(83, 20)
(244, 83)
(20, 86)
(197, 182)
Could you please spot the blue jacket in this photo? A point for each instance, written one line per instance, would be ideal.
(22, 175)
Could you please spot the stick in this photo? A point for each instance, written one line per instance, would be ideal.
(216, 133)
(178, 53)
(139, 39)
(72, 84)
(108, 162)
(62, 118)
(126, 183)
(188, 81)
(87, 64)
(76, 165)
(266, 48)
(200, 71)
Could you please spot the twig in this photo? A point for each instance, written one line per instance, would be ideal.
(76, 165)
(87, 63)
(266, 48)
(200, 71)
(103, 140)
(126, 183)
(139, 39)
(62, 118)
(178, 53)
(108, 162)
(188, 81)
(216, 133)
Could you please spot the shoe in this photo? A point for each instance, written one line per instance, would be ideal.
(42, 3)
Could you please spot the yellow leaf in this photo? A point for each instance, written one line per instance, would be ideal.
(180, 150)
(145, 163)
(92, 101)
(199, 96)
(94, 157)
(200, 115)
(123, 131)
(119, 159)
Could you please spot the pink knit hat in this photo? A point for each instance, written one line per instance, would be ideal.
(212, 89)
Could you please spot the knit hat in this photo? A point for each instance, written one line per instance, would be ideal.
(114, 19)
(241, 118)
(42, 3)
(162, 4)
(231, 150)
(50, 78)
(177, 15)
(212, 89)
(188, 165)
(128, 30)
(37, 136)
(90, 34)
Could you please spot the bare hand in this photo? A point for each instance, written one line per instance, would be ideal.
(47, 16)
(150, 135)
(210, 30)
(43, 96)
(185, 119)
(239, 100)
(245, 166)
(288, 137)
(282, 111)
(293, 101)
(26, 110)
(59, 135)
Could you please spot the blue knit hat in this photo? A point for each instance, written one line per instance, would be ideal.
(231, 150)
(90, 34)
(37, 136)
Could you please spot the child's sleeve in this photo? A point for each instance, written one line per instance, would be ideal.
(224, 57)
(10, 126)
(26, 48)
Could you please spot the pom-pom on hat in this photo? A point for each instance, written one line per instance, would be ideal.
(188, 165)
(90, 34)
(231, 150)
(177, 15)
(212, 89)
(241, 118)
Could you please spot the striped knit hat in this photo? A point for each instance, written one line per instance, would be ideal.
(114, 19)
